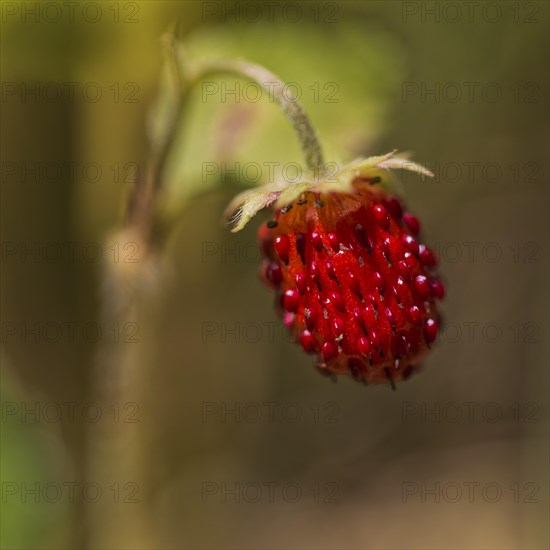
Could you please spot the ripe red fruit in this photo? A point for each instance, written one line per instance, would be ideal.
(353, 283)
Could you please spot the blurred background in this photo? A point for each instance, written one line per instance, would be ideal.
(227, 437)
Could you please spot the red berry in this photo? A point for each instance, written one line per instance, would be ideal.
(337, 301)
(378, 281)
(375, 341)
(316, 240)
(308, 341)
(329, 351)
(412, 223)
(400, 290)
(381, 216)
(363, 345)
(310, 317)
(265, 237)
(394, 207)
(370, 315)
(301, 246)
(399, 346)
(330, 270)
(282, 246)
(288, 319)
(430, 330)
(404, 270)
(427, 256)
(410, 243)
(422, 285)
(300, 283)
(415, 315)
(361, 235)
(291, 300)
(356, 315)
(353, 282)
(273, 274)
(314, 271)
(333, 241)
(337, 326)
(390, 317)
(438, 290)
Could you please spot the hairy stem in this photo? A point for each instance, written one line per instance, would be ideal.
(311, 148)
(117, 454)
(116, 450)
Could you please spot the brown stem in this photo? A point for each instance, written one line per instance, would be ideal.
(116, 449)
(116, 454)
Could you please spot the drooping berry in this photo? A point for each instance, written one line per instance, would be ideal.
(329, 351)
(282, 246)
(394, 207)
(415, 315)
(291, 300)
(422, 286)
(427, 256)
(412, 223)
(438, 290)
(308, 341)
(354, 281)
(430, 329)
(381, 216)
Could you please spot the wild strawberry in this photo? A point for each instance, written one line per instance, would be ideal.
(353, 284)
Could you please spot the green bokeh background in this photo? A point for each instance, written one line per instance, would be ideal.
(369, 50)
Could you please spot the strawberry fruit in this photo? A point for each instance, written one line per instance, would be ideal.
(353, 283)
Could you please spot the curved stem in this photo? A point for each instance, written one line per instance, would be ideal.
(116, 451)
(269, 82)
(141, 202)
